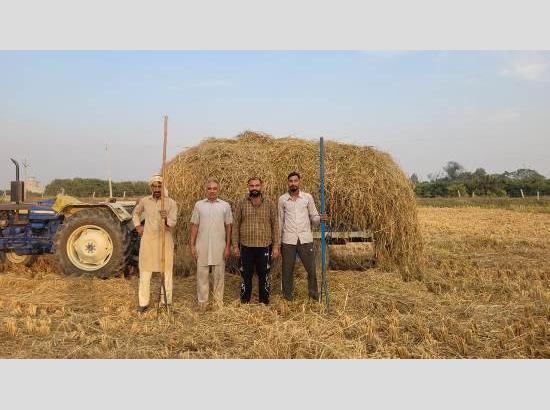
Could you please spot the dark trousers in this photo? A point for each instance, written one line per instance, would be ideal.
(307, 256)
(259, 259)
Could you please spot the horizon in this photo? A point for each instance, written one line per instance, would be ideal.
(437, 174)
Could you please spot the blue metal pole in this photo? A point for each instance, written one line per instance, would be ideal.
(324, 282)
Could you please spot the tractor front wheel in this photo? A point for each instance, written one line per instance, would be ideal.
(14, 259)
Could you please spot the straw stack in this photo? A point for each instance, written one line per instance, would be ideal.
(365, 189)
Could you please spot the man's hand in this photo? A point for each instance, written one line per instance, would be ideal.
(236, 251)
(194, 251)
(324, 217)
(226, 253)
(163, 214)
(275, 252)
(139, 230)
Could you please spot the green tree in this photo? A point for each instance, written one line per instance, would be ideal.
(85, 187)
(453, 169)
(480, 173)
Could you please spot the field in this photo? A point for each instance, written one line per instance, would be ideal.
(528, 204)
(485, 294)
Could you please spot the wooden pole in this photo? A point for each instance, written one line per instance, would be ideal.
(163, 220)
(522, 195)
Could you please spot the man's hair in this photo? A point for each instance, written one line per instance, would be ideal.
(293, 174)
(255, 179)
(213, 180)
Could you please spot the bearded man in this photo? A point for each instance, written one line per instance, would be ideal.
(297, 213)
(256, 239)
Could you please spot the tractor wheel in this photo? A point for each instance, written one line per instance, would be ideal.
(14, 259)
(92, 242)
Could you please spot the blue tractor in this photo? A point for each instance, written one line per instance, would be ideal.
(87, 238)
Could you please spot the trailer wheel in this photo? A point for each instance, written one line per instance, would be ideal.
(92, 242)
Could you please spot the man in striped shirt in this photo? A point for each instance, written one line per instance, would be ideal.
(256, 239)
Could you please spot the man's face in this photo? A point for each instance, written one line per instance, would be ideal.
(212, 191)
(293, 183)
(156, 187)
(254, 187)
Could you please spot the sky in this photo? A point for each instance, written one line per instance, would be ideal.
(59, 110)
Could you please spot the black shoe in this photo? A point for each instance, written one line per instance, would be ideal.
(142, 309)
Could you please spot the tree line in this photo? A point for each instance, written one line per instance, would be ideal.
(450, 182)
(85, 187)
(455, 179)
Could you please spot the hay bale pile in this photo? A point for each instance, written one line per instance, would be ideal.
(365, 189)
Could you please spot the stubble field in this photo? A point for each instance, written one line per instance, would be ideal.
(485, 294)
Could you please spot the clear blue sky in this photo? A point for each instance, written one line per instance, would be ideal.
(482, 109)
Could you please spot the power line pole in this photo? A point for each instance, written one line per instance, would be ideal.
(109, 168)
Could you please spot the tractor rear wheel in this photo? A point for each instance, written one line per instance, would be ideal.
(92, 242)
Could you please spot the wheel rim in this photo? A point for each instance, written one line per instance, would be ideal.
(89, 247)
(15, 258)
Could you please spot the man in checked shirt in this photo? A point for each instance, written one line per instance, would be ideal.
(297, 213)
(255, 239)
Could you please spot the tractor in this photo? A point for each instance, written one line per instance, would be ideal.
(87, 238)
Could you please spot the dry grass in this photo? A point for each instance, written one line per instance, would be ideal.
(365, 188)
(485, 294)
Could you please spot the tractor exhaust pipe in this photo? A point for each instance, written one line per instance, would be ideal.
(16, 169)
(17, 191)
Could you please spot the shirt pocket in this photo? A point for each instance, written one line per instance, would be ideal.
(303, 206)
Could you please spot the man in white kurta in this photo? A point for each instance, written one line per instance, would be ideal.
(150, 246)
(210, 242)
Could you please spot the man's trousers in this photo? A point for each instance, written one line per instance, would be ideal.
(144, 292)
(307, 256)
(259, 259)
(203, 283)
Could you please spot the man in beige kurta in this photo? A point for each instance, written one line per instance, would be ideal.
(150, 246)
(210, 242)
